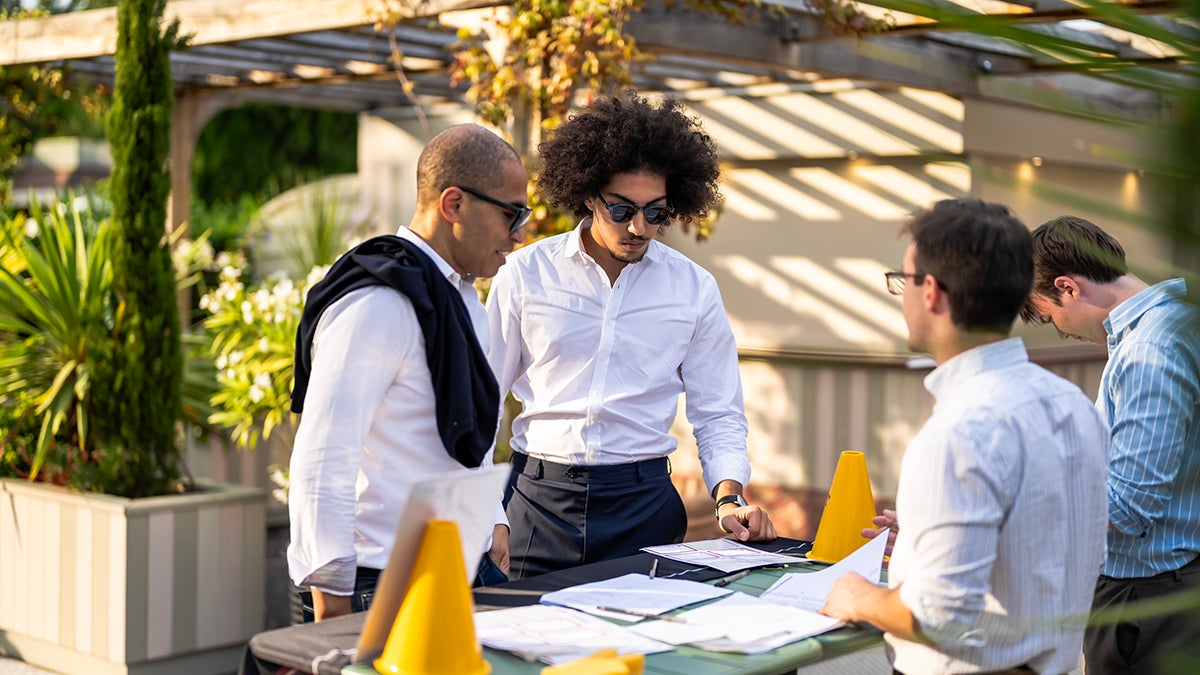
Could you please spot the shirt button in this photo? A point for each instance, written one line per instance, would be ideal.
(604, 357)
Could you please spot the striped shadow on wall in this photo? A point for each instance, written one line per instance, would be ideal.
(100, 584)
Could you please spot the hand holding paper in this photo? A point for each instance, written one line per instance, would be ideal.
(809, 591)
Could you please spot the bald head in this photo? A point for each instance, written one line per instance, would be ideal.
(462, 155)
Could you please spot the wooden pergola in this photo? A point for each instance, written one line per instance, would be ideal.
(331, 54)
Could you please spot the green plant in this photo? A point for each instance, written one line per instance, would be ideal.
(58, 315)
(139, 373)
(321, 237)
(55, 306)
(251, 334)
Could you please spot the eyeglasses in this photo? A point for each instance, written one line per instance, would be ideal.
(623, 213)
(518, 215)
(895, 281)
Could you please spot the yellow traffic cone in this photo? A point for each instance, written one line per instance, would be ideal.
(604, 662)
(849, 509)
(434, 632)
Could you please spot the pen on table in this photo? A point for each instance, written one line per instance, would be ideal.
(725, 581)
(644, 615)
(654, 568)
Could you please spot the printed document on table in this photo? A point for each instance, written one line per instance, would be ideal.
(809, 590)
(738, 623)
(557, 634)
(722, 554)
(636, 592)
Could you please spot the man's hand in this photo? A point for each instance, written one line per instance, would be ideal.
(853, 598)
(747, 523)
(327, 605)
(888, 520)
(846, 597)
(499, 550)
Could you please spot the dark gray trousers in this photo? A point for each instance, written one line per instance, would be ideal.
(1164, 643)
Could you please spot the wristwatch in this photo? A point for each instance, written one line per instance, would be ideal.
(728, 499)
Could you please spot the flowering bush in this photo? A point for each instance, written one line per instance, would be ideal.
(252, 332)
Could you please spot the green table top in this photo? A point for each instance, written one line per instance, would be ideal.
(686, 660)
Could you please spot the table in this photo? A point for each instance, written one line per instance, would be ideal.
(322, 648)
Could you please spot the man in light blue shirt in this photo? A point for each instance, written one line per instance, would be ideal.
(1150, 398)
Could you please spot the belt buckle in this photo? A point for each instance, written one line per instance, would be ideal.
(571, 473)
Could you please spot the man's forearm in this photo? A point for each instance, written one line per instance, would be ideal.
(327, 605)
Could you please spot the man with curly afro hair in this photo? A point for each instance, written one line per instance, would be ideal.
(598, 331)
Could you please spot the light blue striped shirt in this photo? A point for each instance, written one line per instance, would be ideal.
(1150, 397)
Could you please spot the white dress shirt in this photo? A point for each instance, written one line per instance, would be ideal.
(1002, 515)
(368, 432)
(599, 367)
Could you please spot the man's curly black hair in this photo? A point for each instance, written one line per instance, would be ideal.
(627, 134)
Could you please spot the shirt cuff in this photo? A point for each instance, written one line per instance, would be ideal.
(727, 467)
(335, 578)
(1124, 523)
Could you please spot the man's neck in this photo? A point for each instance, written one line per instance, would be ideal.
(958, 342)
(437, 237)
(1119, 290)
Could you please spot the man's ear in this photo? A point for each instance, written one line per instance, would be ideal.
(933, 295)
(450, 203)
(1067, 287)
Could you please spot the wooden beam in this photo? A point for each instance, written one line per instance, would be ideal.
(915, 62)
(94, 32)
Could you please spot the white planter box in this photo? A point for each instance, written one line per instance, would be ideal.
(98, 584)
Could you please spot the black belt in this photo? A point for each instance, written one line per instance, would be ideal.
(593, 473)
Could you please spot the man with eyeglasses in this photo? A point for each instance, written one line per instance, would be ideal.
(597, 332)
(392, 374)
(1000, 502)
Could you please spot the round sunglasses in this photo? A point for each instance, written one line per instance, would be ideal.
(623, 213)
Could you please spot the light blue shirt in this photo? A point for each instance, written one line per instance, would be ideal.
(1150, 397)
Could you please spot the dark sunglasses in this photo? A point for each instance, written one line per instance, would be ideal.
(518, 215)
(623, 213)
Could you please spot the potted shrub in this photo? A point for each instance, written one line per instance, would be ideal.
(113, 560)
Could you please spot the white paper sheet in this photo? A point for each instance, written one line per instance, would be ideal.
(636, 592)
(809, 590)
(722, 554)
(739, 623)
(466, 496)
(557, 634)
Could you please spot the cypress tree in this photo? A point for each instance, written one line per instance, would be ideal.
(138, 397)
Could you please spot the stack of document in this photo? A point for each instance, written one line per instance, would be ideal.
(633, 596)
(557, 634)
(722, 554)
(738, 623)
(554, 632)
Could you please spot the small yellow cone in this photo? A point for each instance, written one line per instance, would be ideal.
(605, 662)
(849, 509)
(434, 632)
